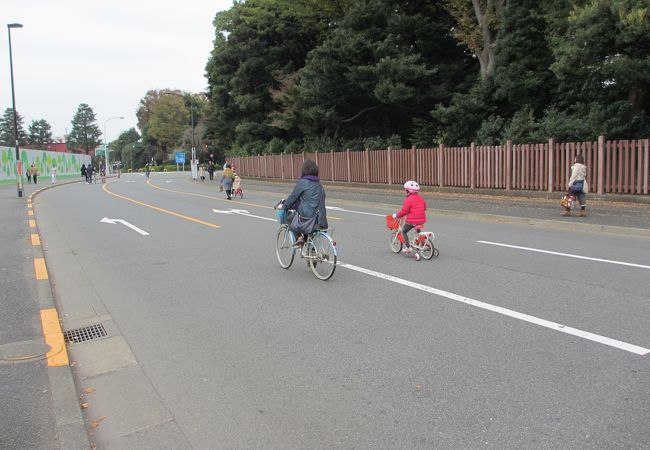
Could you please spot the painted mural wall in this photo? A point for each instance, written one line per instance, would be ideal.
(67, 164)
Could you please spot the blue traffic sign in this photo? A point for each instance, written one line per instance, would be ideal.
(180, 158)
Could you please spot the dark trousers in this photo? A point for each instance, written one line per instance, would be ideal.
(405, 229)
(580, 195)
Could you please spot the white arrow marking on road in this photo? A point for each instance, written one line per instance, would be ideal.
(124, 222)
(336, 208)
(241, 212)
(168, 181)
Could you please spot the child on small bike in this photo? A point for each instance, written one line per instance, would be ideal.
(414, 208)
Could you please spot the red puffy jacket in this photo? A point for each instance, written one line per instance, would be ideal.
(414, 208)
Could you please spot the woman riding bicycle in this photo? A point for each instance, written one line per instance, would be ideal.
(308, 198)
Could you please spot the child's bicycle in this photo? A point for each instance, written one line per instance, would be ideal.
(422, 242)
(319, 249)
(236, 187)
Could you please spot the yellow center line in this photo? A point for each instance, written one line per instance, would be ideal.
(30, 213)
(58, 355)
(32, 223)
(36, 240)
(40, 269)
(219, 198)
(166, 211)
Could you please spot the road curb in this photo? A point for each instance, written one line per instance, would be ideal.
(70, 426)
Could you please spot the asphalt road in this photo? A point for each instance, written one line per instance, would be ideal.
(516, 336)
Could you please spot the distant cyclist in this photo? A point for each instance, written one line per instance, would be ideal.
(308, 198)
(414, 208)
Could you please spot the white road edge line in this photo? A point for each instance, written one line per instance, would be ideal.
(569, 255)
(336, 208)
(504, 311)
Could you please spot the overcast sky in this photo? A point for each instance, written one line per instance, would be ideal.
(107, 54)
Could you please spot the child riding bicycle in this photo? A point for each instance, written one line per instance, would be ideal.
(414, 208)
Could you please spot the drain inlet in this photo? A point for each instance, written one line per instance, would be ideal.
(84, 334)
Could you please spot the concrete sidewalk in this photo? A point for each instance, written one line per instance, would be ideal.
(40, 407)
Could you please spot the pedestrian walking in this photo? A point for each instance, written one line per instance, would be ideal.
(89, 173)
(227, 179)
(53, 173)
(83, 172)
(28, 172)
(577, 185)
(211, 170)
(34, 171)
(202, 172)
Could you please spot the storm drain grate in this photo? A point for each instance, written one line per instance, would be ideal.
(85, 333)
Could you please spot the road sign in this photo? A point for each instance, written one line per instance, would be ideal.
(180, 158)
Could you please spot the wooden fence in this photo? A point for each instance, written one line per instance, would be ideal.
(612, 166)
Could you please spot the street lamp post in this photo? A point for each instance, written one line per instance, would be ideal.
(19, 167)
(108, 166)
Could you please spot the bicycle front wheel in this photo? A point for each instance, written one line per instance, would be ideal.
(284, 247)
(395, 244)
(322, 256)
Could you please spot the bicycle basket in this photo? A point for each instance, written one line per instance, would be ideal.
(391, 223)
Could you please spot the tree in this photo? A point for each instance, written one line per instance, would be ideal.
(477, 27)
(40, 133)
(603, 66)
(7, 137)
(85, 134)
(123, 146)
(381, 71)
(165, 126)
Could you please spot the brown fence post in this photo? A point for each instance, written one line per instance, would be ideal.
(509, 165)
(293, 176)
(367, 165)
(601, 165)
(645, 165)
(441, 149)
(347, 156)
(551, 165)
(332, 163)
(472, 166)
(282, 165)
(317, 161)
(389, 165)
(413, 164)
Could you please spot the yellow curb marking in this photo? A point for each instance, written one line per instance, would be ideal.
(36, 239)
(40, 269)
(30, 213)
(32, 223)
(58, 355)
(166, 211)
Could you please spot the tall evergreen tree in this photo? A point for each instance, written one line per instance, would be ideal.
(40, 133)
(7, 137)
(85, 134)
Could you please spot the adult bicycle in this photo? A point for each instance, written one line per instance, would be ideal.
(319, 249)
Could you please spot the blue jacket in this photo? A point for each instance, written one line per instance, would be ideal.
(308, 198)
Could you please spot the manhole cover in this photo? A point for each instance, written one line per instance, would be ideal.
(23, 351)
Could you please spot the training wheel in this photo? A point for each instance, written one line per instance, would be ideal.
(417, 256)
(435, 252)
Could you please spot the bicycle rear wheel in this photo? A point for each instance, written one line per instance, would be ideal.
(394, 242)
(322, 256)
(427, 249)
(284, 247)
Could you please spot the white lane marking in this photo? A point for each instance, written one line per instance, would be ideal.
(569, 255)
(336, 208)
(241, 212)
(506, 312)
(124, 222)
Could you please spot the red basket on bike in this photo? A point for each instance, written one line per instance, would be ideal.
(392, 224)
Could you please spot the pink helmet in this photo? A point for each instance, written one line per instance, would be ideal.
(411, 186)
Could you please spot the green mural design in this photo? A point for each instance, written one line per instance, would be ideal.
(66, 163)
